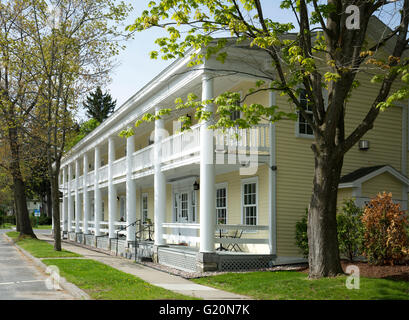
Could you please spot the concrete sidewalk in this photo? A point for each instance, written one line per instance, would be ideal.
(153, 276)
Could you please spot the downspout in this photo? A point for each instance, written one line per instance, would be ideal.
(404, 154)
(272, 175)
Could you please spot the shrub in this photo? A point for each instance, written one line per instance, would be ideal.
(301, 236)
(385, 237)
(44, 220)
(350, 229)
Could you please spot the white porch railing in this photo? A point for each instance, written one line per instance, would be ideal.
(103, 174)
(225, 239)
(142, 159)
(244, 230)
(255, 138)
(184, 145)
(90, 178)
(105, 225)
(177, 238)
(119, 167)
(80, 182)
(181, 145)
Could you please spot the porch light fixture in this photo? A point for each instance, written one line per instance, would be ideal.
(363, 145)
(196, 186)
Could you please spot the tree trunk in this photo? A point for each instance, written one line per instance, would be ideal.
(323, 257)
(22, 212)
(49, 202)
(16, 214)
(55, 200)
(19, 188)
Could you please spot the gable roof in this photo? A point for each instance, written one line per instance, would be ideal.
(357, 177)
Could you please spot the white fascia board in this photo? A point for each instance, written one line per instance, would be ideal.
(128, 111)
(246, 63)
(389, 169)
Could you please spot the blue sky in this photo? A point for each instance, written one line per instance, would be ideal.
(136, 68)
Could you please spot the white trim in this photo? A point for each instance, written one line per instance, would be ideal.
(248, 181)
(272, 174)
(145, 194)
(373, 174)
(221, 186)
(404, 154)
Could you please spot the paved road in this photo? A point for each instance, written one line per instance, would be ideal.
(20, 279)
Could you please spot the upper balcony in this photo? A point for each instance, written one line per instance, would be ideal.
(181, 149)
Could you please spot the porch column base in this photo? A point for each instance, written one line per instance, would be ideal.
(207, 261)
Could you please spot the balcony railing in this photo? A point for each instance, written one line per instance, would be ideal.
(119, 167)
(103, 174)
(142, 159)
(255, 139)
(183, 146)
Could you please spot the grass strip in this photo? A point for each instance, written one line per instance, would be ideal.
(103, 282)
(39, 248)
(293, 285)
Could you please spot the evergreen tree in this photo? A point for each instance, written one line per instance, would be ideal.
(99, 105)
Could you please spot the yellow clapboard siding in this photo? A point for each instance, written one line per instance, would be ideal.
(379, 184)
(295, 161)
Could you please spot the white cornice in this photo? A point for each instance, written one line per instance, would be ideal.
(150, 95)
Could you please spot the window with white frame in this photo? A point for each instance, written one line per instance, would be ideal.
(122, 208)
(144, 207)
(102, 211)
(221, 205)
(194, 206)
(249, 202)
(304, 129)
(92, 210)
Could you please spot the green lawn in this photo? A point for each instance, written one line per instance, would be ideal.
(103, 282)
(42, 227)
(10, 226)
(39, 248)
(289, 285)
(6, 226)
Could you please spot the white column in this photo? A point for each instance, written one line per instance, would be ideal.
(111, 189)
(207, 175)
(64, 199)
(130, 190)
(85, 196)
(159, 183)
(97, 192)
(272, 178)
(70, 199)
(77, 197)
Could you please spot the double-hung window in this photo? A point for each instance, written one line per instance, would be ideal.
(144, 207)
(221, 204)
(303, 128)
(249, 201)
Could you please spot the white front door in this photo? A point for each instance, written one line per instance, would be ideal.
(184, 210)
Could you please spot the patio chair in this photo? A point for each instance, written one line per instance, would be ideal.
(235, 235)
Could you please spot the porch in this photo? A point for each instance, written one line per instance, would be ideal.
(182, 251)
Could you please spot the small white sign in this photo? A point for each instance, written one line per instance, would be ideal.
(36, 213)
